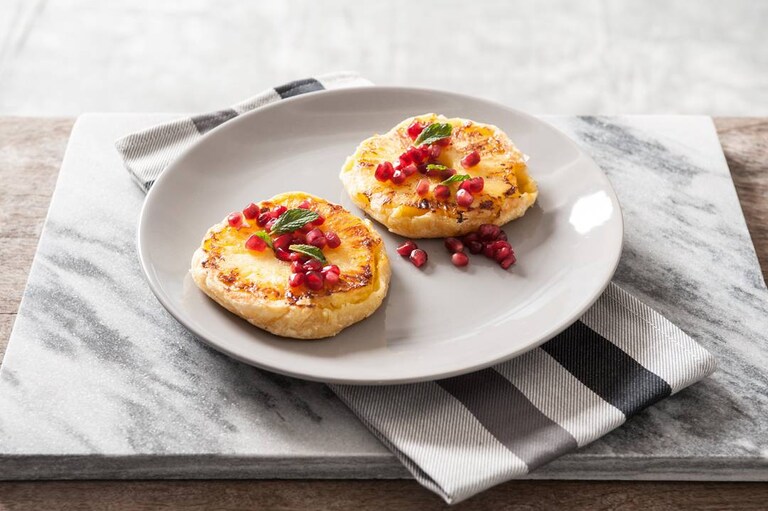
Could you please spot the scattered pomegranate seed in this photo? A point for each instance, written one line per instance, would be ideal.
(470, 160)
(444, 142)
(488, 232)
(423, 187)
(331, 278)
(435, 173)
(476, 184)
(409, 170)
(279, 210)
(445, 174)
(282, 241)
(472, 236)
(405, 159)
(235, 219)
(297, 266)
(255, 243)
(406, 248)
(251, 211)
(316, 238)
(299, 238)
(270, 223)
(313, 265)
(502, 253)
(475, 247)
(384, 171)
(263, 219)
(502, 236)
(332, 239)
(398, 177)
(460, 259)
(305, 204)
(442, 192)
(418, 257)
(434, 151)
(454, 245)
(314, 280)
(320, 220)
(296, 279)
(415, 129)
(509, 261)
(331, 268)
(282, 254)
(464, 185)
(488, 251)
(464, 198)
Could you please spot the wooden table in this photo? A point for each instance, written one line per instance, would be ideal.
(31, 150)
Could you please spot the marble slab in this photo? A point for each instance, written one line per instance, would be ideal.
(100, 382)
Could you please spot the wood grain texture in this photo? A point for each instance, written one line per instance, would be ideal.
(30, 154)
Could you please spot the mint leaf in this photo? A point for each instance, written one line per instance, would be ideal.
(267, 239)
(434, 132)
(309, 250)
(433, 166)
(456, 178)
(293, 219)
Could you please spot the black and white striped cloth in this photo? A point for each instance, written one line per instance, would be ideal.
(464, 434)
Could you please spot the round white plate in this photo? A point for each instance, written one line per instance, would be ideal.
(436, 322)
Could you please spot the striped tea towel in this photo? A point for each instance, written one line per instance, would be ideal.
(464, 434)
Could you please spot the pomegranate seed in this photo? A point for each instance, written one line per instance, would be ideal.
(444, 142)
(398, 177)
(434, 151)
(263, 219)
(434, 173)
(384, 171)
(406, 248)
(488, 232)
(502, 253)
(299, 238)
(460, 259)
(255, 243)
(502, 236)
(405, 159)
(472, 236)
(305, 204)
(320, 220)
(475, 247)
(251, 211)
(470, 160)
(331, 278)
(296, 279)
(476, 184)
(313, 265)
(332, 239)
(296, 265)
(282, 241)
(423, 187)
(499, 244)
(270, 223)
(454, 245)
(282, 254)
(445, 174)
(415, 129)
(278, 210)
(414, 153)
(442, 192)
(464, 185)
(235, 219)
(509, 261)
(331, 268)
(464, 198)
(314, 280)
(488, 251)
(409, 170)
(418, 257)
(316, 238)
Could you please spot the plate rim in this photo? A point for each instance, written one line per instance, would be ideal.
(156, 287)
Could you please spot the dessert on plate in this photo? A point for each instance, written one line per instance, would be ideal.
(431, 177)
(295, 265)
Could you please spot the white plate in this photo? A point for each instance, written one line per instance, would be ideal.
(436, 322)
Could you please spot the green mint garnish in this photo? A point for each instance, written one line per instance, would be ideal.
(263, 235)
(293, 219)
(308, 250)
(456, 178)
(433, 166)
(433, 133)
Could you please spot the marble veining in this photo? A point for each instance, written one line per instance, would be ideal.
(99, 381)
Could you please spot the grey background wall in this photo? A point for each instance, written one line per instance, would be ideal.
(62, 57)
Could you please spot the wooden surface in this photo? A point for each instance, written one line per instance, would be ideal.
(30, 154)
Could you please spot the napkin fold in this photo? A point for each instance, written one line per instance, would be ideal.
(462, 435)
